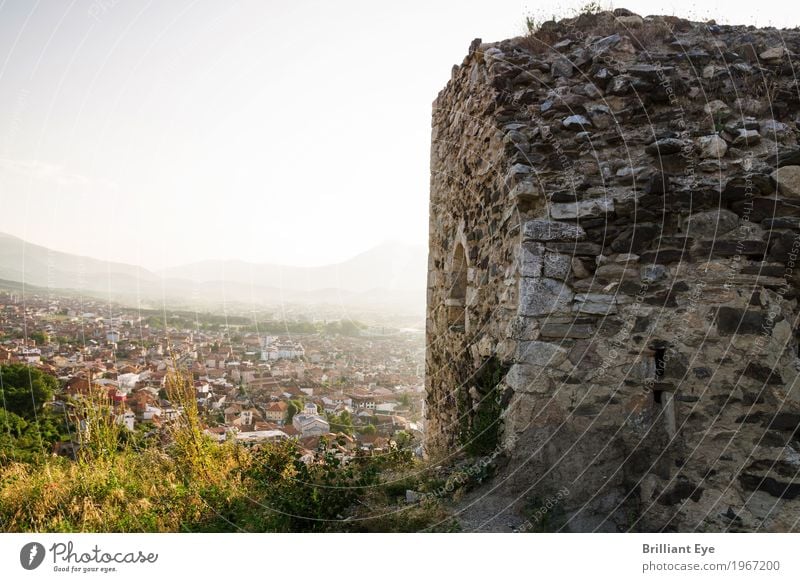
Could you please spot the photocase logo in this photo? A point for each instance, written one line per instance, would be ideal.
(31, 555)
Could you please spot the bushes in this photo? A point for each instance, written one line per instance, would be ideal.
(27, 428)
(481, 424)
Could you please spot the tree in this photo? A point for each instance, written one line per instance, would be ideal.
(12, 423)
(25, 389)
(295, 406)
(341, 423)
(369, 429)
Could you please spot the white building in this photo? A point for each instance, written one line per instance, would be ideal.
(309, 423)
(273, 349)
(127, 419)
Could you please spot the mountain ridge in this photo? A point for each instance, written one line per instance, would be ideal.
(391, 275)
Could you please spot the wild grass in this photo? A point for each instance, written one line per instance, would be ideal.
(189, 483)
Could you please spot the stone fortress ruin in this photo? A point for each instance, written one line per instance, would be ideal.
(613, 272)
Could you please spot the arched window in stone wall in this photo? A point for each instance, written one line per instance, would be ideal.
(457, 294)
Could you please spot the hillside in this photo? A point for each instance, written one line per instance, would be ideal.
(389, 277)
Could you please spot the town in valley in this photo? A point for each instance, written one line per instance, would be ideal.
(256, 378)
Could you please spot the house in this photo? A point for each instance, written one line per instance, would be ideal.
(150, 413)
(373, 442)
(217, 433)
(363, 401)
(276, 411)
(127, 419)
(337, 403)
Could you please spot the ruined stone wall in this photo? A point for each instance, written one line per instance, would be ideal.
(626, 192)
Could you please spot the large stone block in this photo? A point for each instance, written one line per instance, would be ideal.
(538, 353)
(557, 266)
(566, 330)
(581, 209)
(531, 260)
(527, 378)
(547, 230)
(576, 248)
(711, 223)
(787, 180)
(731, 320)
(543, 296)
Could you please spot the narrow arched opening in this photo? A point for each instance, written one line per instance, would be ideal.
(457, 294)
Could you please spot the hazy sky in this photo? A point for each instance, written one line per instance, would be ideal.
(169, 131)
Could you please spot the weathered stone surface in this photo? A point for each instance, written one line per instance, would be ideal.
(635, 238)
(537, 353)
(562, 67)
(758, 209)
(527, 378)
(746, 137)
(547, 230)
(787, 179)
(731, 320)
(581, 209)
(531, 260)
(577, 123)
(663, 256)
(653, 273)
(773, 54)
(595, 303)
(616, 272)
(665, 147)
(711, 223)
(525, 191)
(628, 174)
(557, 266)
(566, 330)
(790, 222)
(711, 146)
(576, 248)
(717, 109)
(543, 296)
(579, 303)
(762, 373)
(732, 248)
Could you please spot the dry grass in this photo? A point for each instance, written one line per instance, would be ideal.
(543, 35)
(116, 495)
(191, 483)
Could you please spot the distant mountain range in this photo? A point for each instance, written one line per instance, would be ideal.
(388, 277)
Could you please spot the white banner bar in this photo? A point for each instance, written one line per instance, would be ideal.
(399, 557)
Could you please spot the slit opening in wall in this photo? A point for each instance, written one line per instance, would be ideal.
(457, 294)
(660, 363)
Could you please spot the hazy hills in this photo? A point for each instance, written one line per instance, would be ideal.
(388, 277)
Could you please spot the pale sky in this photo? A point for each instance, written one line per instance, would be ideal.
(170, 131)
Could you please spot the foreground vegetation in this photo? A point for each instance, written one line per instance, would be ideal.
(183, 481)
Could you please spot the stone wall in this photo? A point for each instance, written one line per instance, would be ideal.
(614, 225)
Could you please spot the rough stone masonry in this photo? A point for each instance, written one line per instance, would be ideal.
(613, 271)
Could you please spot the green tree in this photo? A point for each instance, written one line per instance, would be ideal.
(25, 389)
(341, 423)
(295, 406)
(369, 429)
(11, 423)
